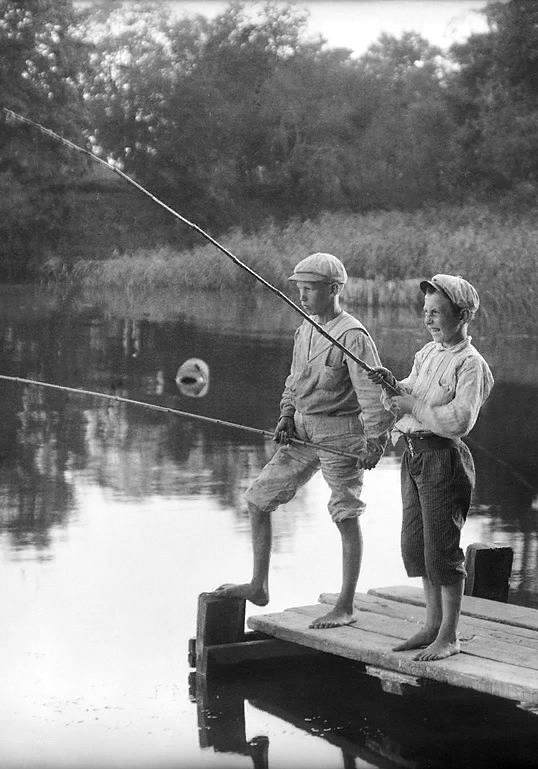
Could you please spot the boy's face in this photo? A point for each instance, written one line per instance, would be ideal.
(443, 320)
(315, 298)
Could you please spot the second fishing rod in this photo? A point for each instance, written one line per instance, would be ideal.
(392, 390)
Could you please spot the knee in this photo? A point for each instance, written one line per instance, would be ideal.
(255, 511)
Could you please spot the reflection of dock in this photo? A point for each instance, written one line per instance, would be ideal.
(438, 727)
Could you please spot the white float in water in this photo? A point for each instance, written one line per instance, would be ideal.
(192, 378)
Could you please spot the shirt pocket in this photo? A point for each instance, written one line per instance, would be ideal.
(446, 386)
(332, 376)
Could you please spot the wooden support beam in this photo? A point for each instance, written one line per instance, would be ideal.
(219, 621)
(255, 651)
(221, 640)
(488, 571)
(393, 681)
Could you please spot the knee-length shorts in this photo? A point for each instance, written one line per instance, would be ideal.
(436, 496)
(293, 465)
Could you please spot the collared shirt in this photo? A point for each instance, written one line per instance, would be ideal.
(450, 385)
(324, 380)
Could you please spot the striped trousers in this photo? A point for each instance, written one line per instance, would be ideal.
(436, 495)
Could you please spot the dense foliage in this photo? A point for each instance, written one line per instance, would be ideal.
(241, 120)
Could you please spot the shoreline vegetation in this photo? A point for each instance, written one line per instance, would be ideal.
(384, 251)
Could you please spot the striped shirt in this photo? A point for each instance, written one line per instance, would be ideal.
(450, 385)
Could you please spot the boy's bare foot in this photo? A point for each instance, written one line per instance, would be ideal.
(334, 618)
(420, 640)
(249, 592)
(438, 650)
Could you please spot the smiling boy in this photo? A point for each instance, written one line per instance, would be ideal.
(329, 400)
(440, 402)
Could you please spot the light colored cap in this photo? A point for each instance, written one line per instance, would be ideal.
(456, 288)
(320, 268)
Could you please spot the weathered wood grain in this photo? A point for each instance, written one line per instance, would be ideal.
(477, 641)
(483, 638)
(505, 613)
(374, 646)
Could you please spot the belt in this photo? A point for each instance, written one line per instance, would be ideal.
(429, 442)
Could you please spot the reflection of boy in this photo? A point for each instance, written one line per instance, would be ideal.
(440, 402)
(328, 399)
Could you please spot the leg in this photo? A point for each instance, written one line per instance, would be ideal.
(412, 543)
(345, 479)
(446, 641)
(257, 590)
(343, 612)
(446, 499)
(277, 483)
(434, 613)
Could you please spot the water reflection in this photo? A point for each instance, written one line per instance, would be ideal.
(132, 348)
(339, 705)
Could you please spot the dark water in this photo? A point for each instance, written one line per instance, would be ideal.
(115, 517)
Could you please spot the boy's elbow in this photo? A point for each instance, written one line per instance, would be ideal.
(461, 426)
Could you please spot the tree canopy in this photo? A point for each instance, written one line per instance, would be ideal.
(239, 119)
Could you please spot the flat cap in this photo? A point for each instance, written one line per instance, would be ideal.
(456, 288)
(320, 268)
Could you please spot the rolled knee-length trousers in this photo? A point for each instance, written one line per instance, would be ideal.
(293, 465)
(436, 495)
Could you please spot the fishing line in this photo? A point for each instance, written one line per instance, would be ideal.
(175, 412)
(15, 115)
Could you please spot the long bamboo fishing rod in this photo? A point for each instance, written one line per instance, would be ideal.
(15, 115)
(222, 423)
(175, 412)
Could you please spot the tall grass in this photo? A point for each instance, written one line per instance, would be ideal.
(495, 250)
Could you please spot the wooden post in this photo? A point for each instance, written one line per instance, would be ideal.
(220, 621)
(488, 571)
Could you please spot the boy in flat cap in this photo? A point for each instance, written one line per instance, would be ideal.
(440, 402)
(329, 400)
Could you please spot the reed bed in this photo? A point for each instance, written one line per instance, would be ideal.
(385, 253)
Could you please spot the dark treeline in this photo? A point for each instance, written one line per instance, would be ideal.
(235, 120)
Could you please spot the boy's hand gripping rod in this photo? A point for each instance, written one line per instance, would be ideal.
(391, 389)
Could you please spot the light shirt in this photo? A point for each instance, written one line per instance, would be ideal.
(450, 385)
(324, 380)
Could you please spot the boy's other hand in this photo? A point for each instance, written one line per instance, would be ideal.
(402, 404)
(382, 375)
(373, 453)
(284, 430)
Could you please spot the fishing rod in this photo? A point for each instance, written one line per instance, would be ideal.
(175, 412)
(223, 423)
(15, 115)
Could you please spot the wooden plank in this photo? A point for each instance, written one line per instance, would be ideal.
(513, 645)
(490, 677)
(505, 613)
(367, 602)
(478, 643)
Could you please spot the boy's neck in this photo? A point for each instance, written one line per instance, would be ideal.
(330, 314)
(457, 339)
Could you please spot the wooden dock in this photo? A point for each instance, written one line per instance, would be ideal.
(499, 642)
